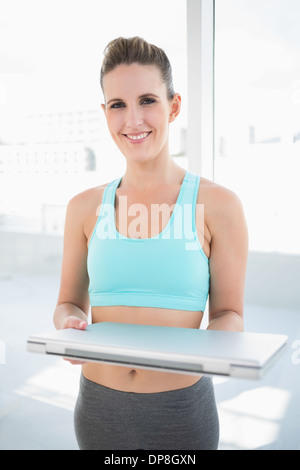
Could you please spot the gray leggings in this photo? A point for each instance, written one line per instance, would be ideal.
(184, 419)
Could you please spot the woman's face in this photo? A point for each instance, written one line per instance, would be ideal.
(138, 112)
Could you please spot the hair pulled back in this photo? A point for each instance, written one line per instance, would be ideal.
(136, 50)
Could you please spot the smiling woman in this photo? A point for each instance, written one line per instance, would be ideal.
(151, 276)
(145, 103)
(139, 111)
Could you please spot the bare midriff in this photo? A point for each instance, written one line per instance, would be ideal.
(136, 380)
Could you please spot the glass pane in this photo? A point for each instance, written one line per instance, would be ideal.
(257, 116)
(54, 140)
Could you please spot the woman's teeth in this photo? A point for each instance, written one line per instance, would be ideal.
(138, 137)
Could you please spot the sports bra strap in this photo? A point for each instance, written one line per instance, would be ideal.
(188, 202)
(109, 192)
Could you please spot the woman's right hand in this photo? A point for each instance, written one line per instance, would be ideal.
(74, 322)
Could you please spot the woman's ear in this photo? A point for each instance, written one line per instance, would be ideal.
(103, 107)
(175, 107)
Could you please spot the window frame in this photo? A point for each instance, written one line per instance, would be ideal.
(200, 64)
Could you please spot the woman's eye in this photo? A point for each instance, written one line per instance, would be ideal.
(120, 104)
(117, 105)
(147, 101)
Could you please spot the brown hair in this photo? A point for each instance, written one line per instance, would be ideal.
(136, 50)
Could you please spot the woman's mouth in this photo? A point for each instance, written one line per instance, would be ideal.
(137, 138)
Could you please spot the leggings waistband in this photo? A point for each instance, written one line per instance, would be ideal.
(200, 386)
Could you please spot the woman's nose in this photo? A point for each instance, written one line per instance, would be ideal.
(134, 117)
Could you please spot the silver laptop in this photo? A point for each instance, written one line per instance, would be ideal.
(180, 350)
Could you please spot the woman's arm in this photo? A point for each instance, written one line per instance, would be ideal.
(228, 261)
(73, 303)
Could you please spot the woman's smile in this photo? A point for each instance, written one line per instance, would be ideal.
(137, 138)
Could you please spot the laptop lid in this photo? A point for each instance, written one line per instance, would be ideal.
(184, 350)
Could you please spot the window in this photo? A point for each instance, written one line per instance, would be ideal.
(50, 98)
(257, 116)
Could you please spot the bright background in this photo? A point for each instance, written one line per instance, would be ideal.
(257, 116)
(53, 134)
(54, 144)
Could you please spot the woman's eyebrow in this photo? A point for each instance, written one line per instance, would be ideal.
(114, 99)
(145, 95)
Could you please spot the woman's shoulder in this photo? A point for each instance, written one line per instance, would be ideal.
(83, 209)
(223, 212)
(87, 198)
(217, 196)
(222, 207)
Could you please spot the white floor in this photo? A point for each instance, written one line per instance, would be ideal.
(37, 393)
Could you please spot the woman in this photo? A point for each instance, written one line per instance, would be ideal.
(135, 264)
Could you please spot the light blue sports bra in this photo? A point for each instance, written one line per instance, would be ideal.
(169, 270)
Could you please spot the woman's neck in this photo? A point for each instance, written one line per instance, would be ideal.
(148, 176)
